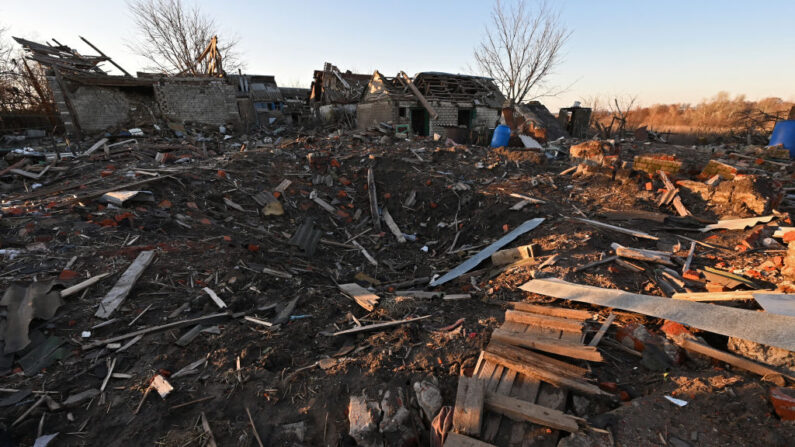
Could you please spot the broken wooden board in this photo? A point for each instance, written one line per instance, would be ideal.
(602, 330)
(216, 299)
(472, 262)
(393, 227)
(458, 440)
(124, 285)
(373, 200)
(715, 296)
(362, 296)
(641, 254)
(541, 372)
(760, 327)
(468, 413)
(550, 345)
(511, 255)
(563, 324)
(628, 231)
(731, 359)
(520, 410)
(737, 224)
(552, 311)
(372, 327)
(535, 358)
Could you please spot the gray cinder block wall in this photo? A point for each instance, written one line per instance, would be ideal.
(207, 102)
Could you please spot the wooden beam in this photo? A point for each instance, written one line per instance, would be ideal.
(372, 327)
(175, 324)
(373, 200)
(419, 96)
(716, 296)
(105, 56)
(552, 311)
(520, 410)
(536, 358)
(550, 345)
(602, 330)
(740, 362)
(638, 234)
(124, 285)
(468, 413)
(539, 373)
(564, 324)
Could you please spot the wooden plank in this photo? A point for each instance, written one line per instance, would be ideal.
(520, 410)
(407, 80)
(468, 413)
(595, 263)
(458, 440)
(216, 299)
(373, 200)
(638, 234)
(542, 374)
(640, 254)
(550, 345)
(552, 311)
(760, 327)
(472, 262)
(689, 260)
(740, 362)
(602, 330)
(393, 227)
(205, 319)
(372, 327)
(83, 285)
(362, 296)
(538, 359)
(124, 285)
(94, 147)
(715, 296)
(563, 324)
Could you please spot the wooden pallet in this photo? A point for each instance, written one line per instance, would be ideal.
(500, 430)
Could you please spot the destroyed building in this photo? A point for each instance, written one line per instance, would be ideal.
(449, 105)
(334, 93)
(296, 104)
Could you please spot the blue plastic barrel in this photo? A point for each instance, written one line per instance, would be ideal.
(501, 136)
(784, 134)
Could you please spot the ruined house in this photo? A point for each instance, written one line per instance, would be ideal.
(90, 100)
(334, 93)
(296, 104)
(536, 113)
(451, 105)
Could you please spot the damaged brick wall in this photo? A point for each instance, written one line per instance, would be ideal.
(207, 102)
(100, 108)
(485, 117)
(448, 117)
(370, 114)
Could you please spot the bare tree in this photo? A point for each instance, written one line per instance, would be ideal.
(173, 35)
(23, 85)
(619, 112)
(521, 48)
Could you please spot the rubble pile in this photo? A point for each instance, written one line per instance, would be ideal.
(338, 286)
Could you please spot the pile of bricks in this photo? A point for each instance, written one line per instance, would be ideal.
(715, 167)
(658, 162)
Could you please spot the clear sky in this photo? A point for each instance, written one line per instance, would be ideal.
(661, 51)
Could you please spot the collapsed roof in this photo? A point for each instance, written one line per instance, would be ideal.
(436, 86)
